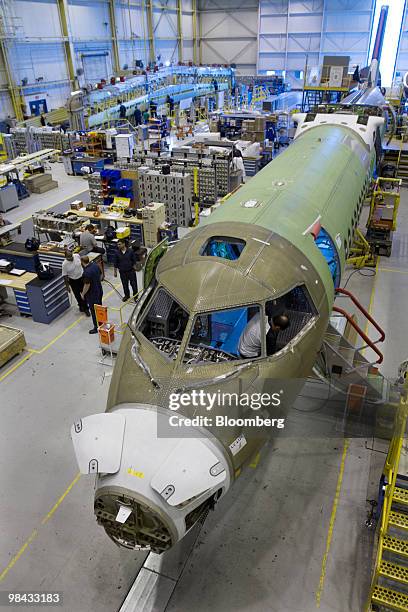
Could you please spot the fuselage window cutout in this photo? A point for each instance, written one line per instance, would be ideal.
(225, 335)
(286, 317)
(225, 247)
(328, 249)
(164, 323)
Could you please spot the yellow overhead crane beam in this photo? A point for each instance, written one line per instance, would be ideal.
(150, 30)
(68, 45)
(15, 95)
(115, 48)
(180, 30)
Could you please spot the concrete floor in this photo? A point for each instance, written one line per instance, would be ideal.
(289, 536)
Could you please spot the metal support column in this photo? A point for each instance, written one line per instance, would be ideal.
(180, 31)
(150, 30)
(115, 48)
(14, 91)
(200, 39)
(68, 45)
(194, 7)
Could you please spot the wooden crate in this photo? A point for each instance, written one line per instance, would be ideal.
(12, 342)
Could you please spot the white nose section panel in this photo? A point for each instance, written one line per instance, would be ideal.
(98, 442)
(190, 469)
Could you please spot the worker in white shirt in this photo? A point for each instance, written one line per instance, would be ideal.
(72, 273)
(238, 162)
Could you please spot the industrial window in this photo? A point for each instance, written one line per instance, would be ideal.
(297, 309)
(216, 336)
(95, 66)
(224, 247)
(164, 323)
(391, 37)
(328, 249)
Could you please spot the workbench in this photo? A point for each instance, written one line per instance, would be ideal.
(19, 256)
(105, 219)
(95, 163)
(19, 286)
(44, 300)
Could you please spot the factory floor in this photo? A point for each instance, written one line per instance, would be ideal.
(289, 537)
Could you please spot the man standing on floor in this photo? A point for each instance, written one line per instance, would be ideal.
(125, 261)
(72, 273)
(92, 292)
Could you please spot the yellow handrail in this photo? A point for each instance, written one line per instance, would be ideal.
(390, 474)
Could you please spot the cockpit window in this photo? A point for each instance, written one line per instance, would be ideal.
(224, 247)
(286, 317)
(164, 323)
(216, 336)
(328, 249)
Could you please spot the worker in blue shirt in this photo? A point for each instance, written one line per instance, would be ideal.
(138, 116)
(125, 261)
(122, 111)
(92, 291)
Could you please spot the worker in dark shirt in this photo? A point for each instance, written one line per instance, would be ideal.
(92, 291)
(277, 324)
(170, 102)
(153, 109)
(125, 262)
(138, 116)
(122, 111)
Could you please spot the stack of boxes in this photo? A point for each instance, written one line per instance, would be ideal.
(153, 215)
(222, 176)
(206, 186)
(95, 189)
(214, 173)
(29, 140)
(254, 130)
(173, 189)
(20, 141)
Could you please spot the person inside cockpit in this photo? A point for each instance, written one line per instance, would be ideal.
(250, 342)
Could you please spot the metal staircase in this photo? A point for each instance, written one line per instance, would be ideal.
(399, 158)
(365, 388)
(389, 587)
(346, 365)
(402, 166)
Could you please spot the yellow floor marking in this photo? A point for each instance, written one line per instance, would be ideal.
(77, 477)
(331, 524)
(255, 461)
(393, 270)
(54, 340)
(370, 305)
(47, 346)
(18, 555)
(61, 499)
(341, 473)
(74, 195)
(36, 531)
(15, 366)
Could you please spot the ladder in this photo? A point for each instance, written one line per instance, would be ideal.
(358, 394)
(345, 362)
(389, 587)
